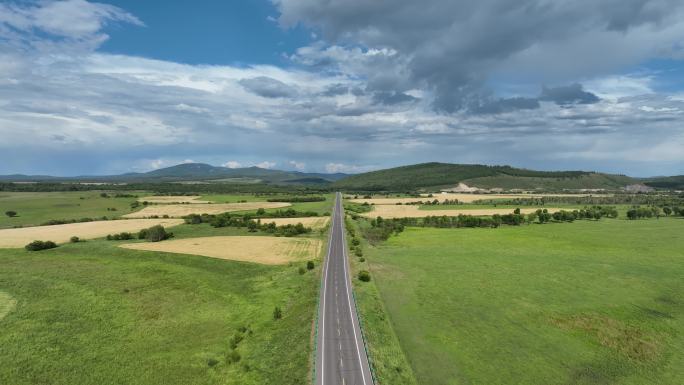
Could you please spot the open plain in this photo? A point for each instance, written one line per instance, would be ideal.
(84, 230)
(258, 249)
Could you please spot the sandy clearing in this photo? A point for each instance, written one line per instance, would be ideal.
(172, 199)
(85, 230)
(177, 211)
(413, 211)
(266, 250)
(314, 222)
(465, 198)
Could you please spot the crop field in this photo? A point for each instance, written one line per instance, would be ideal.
(172, 199)
(414, 211)
(93, 313)
(316, 223)
(180, 210)
(34, 208)
(257, 249)
(84, 230)
(590, 302)
(462, 198)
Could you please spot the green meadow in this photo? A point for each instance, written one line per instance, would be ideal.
(35, 208)
(568, 303)
(91, 312)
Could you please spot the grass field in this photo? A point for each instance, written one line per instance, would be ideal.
(93, 313)
(413, 211)
(36, 208)
(582, 303)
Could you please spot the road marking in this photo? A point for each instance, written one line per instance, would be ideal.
(351, 314)
(325, 287)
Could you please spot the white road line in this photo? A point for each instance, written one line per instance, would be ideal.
(351, 314)
(325, 286)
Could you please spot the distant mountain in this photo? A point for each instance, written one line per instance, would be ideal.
(195, 172)
(445, 175)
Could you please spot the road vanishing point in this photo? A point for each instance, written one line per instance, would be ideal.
(340, 354)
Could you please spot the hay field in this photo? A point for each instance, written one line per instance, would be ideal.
(414, 211)
(173, 199)
(464, 198)
(314, 222)
(177, 211)
(86, 230)
(258, 249)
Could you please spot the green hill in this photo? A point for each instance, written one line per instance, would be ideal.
(433, 175)
(666, 182)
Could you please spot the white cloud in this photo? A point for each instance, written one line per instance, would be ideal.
(232, 164)
(300, 166)
(333, 168)
(266, 164)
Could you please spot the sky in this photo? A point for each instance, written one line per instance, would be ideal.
(341, 85)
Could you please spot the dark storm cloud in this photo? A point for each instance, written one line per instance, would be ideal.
(452, 47)
(566, 95)
(268, 87)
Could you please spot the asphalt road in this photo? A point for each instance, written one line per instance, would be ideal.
(340, 354)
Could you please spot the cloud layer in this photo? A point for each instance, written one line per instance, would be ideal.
(424, 82)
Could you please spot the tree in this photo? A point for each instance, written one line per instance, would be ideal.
(516, 211)
(310, 265)
(11, 213)
(40, 245)
(156, 233)
(364, 276)
(74, 239)
(667, 211)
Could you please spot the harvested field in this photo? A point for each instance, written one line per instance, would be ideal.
(172, 199)
(314, 222)
(85, 230)
(177, 211)
(265, 250)
(414, 211)
(464, 198)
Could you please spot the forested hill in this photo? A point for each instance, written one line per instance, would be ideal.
(446, 175)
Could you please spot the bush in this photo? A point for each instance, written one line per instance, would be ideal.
(364, 276)
(124, 236)
(310, 265)
(156, 233)
(358, 252)
(11, 213)
(362, 259)
(302, 270)
(233, 356)
(277, 313)
(74, 239)
(212, 362)
(40, 245)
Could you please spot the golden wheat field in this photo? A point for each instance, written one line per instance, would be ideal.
(265, 250)
(172, 199)
(314, 222)
(464, 198)
(177, 211)
(85, 230)
(413, 211)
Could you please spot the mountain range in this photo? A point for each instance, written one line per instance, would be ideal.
(405, 178)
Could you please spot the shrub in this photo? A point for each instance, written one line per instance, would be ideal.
(11, 213)
(233, 356)
(310, 265)
(358, 252)
(302, 270)
(212, 362)
(40, 245)
(277, 313)
(364, 276)
(362, 259)
(156, 233)
(74, 239)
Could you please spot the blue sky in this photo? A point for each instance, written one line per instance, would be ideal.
(341, 85)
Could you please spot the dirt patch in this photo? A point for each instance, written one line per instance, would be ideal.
(266, 250)
(628, 340)
(85, 230)
(7, 304)
(464, 198)
(177, 211)
(314, 222)
(413, 211)
(167, 199)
